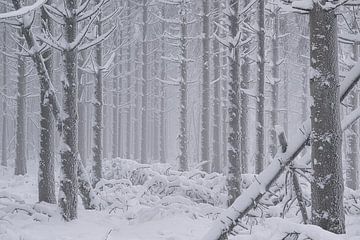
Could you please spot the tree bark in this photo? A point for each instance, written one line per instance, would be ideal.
(327, 186)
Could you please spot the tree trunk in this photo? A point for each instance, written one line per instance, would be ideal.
(234, 165)
(69, 151)
(129, 83)
(162, 93)
(4, 105)
(144, 82)
(183, 140)
(205, 112)
(98, 105)
(245, 82)
(137, 146)
(327, 185)
(20, 159)
(260, 101)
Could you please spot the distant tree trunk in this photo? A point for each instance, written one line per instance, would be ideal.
(234, 165)
(183, 140)
(216, 164)
(69, 151)
(205, 112)
(245, 82)
(115, 99)
(82, 110)
(129, 83)
(144, 82)
(121, 84)
(20, 158)
(162, 93)
(260, 152)
(4, 106)
(156, 134)
(275, 82)
(46, 181)
(98, 105)
(327, 185)
(352, 156)
(137, 146)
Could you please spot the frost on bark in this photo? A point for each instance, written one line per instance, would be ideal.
(234, 165)
(4, 104)
(245, 82)
(205, 111)
(69, 149)
(183, 140)
(216, 161)
(46, 184)
(20, 158)
(260, 101)
(98, 104)
(144, 78)
(327, 185)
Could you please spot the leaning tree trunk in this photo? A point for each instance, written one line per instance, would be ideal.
(327, 186)
(216, 163)
(144, 98)
(183, 140)
(46, 182)
(69, 182)
(98, 105)
(260, 111)
(205, 111)
(234, 166)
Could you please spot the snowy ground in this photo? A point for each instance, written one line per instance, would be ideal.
(100, 225)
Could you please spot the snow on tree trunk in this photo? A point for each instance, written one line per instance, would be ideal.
(46, 181)
(183, 139)
(69, 150)
(327, 184)
(245, 82)
(260, 101)
(82, 110)
(98, 105)
(205, 111)
(234, 166)
(275, 81)
(144, 98)
(20, 158)
(216, 164)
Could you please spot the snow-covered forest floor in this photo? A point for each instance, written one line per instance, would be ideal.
(148, 202)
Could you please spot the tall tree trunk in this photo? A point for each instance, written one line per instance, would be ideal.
(216, 164)
(275, 81)
(69, 151)
(82, 110)
(234, 165)
(144, 79)
(98, 105)
(4, 105)
(260, 101)
(327, 184)
(137, 146)
(245, 82)
(205, 112)
(115, 98)
(156, 134)
(162, 92)
(129, 83)
(183, 140)
(20, 158)
(46, 181)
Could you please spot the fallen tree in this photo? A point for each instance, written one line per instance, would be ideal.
(251, 196)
